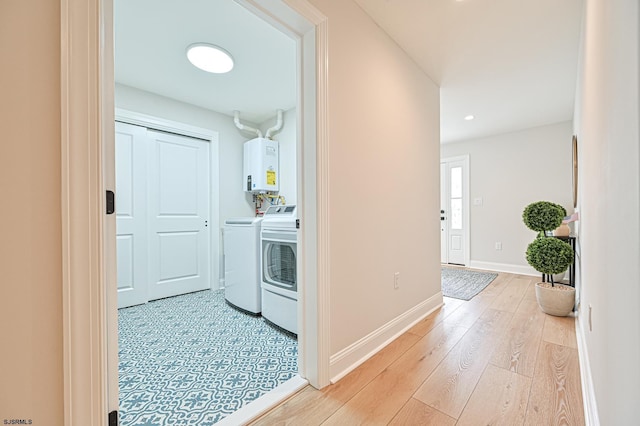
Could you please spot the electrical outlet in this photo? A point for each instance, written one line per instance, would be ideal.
(396, 280)
(498, 245)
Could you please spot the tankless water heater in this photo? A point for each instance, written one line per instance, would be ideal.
(261, 165)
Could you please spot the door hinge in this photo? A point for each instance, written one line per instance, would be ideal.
(111, 202)
(113, 419)
(297, 223)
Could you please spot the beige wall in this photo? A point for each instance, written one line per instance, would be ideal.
(537, 162)
(607, 125)
(30, 221)
(383, 192)
(383, 176)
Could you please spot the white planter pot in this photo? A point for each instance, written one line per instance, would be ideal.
(557, 301)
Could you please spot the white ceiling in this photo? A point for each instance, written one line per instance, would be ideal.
(151, 37)
(510, 63)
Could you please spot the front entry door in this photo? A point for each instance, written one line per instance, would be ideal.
(453, 215)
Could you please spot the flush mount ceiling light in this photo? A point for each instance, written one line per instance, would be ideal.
(469, 117)
(210, 58)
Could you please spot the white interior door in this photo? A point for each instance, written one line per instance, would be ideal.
(178, 191)
(454, 202)
(131, 214)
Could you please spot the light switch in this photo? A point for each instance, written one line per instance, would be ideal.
(477, 201)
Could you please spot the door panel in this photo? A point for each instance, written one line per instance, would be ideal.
(177, 177)
(178, 215)
(178, 255)
(131, 214)
(124, 247)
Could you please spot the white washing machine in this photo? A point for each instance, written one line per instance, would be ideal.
(242, 263)
(279, 238)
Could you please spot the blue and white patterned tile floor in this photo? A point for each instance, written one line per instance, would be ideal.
(193, 360)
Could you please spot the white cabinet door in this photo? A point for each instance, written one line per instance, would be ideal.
(131, 214)
(178, 195)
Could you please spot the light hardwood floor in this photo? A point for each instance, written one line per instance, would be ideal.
(494, 360)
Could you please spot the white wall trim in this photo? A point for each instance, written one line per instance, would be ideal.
(504, 267)
(313, 238)
(162, 124)
(315, 128)
(346, 360)
(83, 275)
(588, 392)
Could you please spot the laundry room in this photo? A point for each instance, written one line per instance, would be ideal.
(205, 210)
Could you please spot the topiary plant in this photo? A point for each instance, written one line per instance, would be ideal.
(543, 216)
(546, 254)
(549, 255)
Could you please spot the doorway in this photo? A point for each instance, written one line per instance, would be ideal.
(454, 211)
(176, 184)
(89, 273)
(295, 157)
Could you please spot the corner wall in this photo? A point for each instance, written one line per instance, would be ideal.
(383, 180)
(607, 124)
(30, 226)
(508, 172)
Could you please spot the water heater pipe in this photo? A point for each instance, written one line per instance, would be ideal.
(275, 128)
(236, 120)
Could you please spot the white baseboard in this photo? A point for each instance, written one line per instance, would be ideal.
(266, 402)
(343, 362)
(504, 267)
(588, 392)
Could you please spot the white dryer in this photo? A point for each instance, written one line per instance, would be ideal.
(279, 238)
(242, 263)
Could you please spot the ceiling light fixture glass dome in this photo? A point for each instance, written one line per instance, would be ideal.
(210, 58)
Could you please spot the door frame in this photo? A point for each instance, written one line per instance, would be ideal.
(465, 204)
(208, 135)
(88, 251)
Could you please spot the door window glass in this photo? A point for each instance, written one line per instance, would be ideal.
(456, 182)
(456, 198)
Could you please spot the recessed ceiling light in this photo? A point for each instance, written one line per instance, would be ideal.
(469, 117)
(210, 58)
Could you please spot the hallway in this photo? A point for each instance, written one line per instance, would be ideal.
(496, 359)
